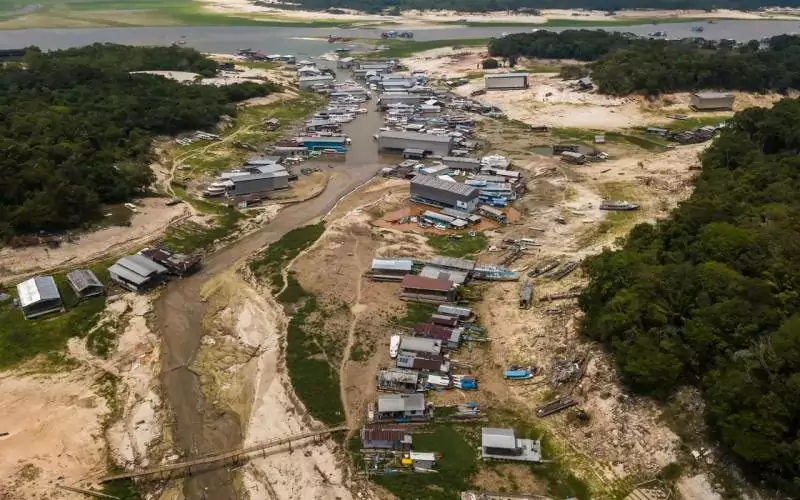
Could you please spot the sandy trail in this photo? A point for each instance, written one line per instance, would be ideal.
(357, 308)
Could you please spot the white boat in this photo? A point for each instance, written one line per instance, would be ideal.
(394, 346)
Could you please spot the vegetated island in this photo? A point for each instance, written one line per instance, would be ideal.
(621, 63)
(708, 298)
(77, 128)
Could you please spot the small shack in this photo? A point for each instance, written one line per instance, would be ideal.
(176, 263)
(85, 283)
(423, 289)
(401, 407)
(398, 379)
(450, 337)
(572, 157)
(423, 461)
(390, 269)
(386, 438)
(423, 362)
(459, 312)
(39, 296)
(502, 444)
(712, 101)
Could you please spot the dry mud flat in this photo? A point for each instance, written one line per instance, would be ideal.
(65, 425)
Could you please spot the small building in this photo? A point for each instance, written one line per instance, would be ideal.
(85, 283)
(260, 183)
(401, 407)
(179, 264)
(386, 438)
(444, 320)
(572, 157)
(422, 461)
(460, 214)
(420, 345)
(137, 273)
(450, 337)
(464, 265)
(423, 362)
(712, 101)
(389, 98)
(307, 82)
(39, 296)
(444, 194)
(427, 289)
(467, 164)
(657, 131)
(506, 81)
(390, 269)
(397, 379)
(454, 310)
(413, 154)
(393, 140)
(345, 63)
(502, 444)
(437, 218)
(492, 213)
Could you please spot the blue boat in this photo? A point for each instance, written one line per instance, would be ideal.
(519, 374)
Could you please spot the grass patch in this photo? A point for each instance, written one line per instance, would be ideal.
(293, 292)
(124, 489)
(280, 253)
(615, 222)
(650, 142)
(22, 339)
(465, 246)
(457, 462)
(313, 378)
(690, 123)
(577, 134)
(189, 238)
(416, 312)
(358, 353)
(405, 48)
(260, 64)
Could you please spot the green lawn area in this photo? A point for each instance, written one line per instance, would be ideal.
(577, 22)
(416, 312)
(462, 245)
(692, 123)
(274, 259)
(634, 137)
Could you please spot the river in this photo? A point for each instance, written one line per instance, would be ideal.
(198, 426)
(300, 41)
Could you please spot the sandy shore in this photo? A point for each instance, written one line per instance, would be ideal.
(446, 16)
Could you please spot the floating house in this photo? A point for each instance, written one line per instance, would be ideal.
(420, 345)
(450, 337)
(386, 438)
(712, 101)
(391, 269)
(392, 140)
(423, 362)
(137, 273)
(307, 82)
(176, 263)
(85, 283)
(401, 407)
(506, 81)
(424, 289)
(39, 296)
(398, 379)
(502, 444)
(454, 310)
(435, 272)
(444, 194)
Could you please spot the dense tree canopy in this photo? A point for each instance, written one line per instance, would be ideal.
(624, 64)
(711, 296)
(76, 128)
(516, 5)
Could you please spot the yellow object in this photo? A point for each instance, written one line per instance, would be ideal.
(406, 462)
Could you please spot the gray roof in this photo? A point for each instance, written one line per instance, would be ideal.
(415, 136)
(37, 289)
(392, 264)
(399, 375)
(453, 262)
(420, 344)
(453, 187)
(492, 437)
(255, 177)
(457, 277)
(401, 402)
(127, 274)
(140, 265)
(81, 279)
(713, 95)
(457, 159)
(316, 78)
(452, 310)
(505, 75)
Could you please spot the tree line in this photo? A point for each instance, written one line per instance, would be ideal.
(621, 63)
(76, 128)
(711, 296)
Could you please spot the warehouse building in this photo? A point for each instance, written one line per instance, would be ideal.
(444, 194)
(85, 283)
(506, 81)
(137, 273)
(307, 82)
(393, 140)
(459, 163)
(261, 182)
(389, 98)
(712, 101)
(39, 296)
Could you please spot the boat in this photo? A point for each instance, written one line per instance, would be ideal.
(620, 205)
(658, 34)
(519, 373)
(394, 346)
(697, 29)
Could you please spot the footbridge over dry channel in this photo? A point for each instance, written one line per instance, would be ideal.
(218, 459)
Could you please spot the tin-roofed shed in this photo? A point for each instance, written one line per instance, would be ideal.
(85, 283)
(427, 289)
(137, 272)
(39, 296)
(390, 269)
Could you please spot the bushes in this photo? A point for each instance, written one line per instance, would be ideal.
(490, 63)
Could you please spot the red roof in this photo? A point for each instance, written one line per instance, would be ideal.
(432, 331)
(422, 283)
(382, 434)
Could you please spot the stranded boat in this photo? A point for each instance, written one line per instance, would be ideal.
(394, 346)
(618, 205)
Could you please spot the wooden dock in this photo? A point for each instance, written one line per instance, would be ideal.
(219, 459)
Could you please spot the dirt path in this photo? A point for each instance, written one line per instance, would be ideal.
(356, 309)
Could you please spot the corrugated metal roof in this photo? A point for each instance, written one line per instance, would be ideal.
(401, 402)
(452, 262)
(422, 456)
(37, 289)
(495, 76)
(421, 283)
(414, 136)
(385, 434)
(413, 344)
(451, 310)
(127, 275)
(392, 264)
(399, 375)
(492, 437)
(713, 95)
(81, 279)
(257, 177)
(457, 277)
(453, 187)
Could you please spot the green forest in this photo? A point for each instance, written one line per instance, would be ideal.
(517, 5)
(711, 296)
(76, 128)
(622, 64)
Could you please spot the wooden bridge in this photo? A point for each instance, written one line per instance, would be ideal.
(218, 459)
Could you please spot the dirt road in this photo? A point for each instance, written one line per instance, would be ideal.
(198, 426)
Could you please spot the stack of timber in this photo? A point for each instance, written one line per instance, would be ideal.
(556, 406)
(560, 296)
(542, 269)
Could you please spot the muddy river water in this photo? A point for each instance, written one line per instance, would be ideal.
(199, 427)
